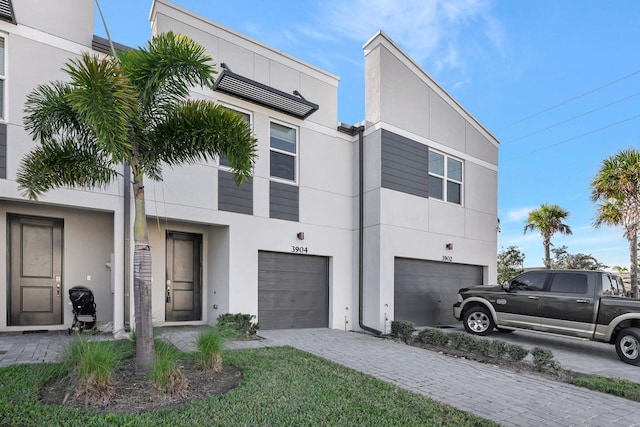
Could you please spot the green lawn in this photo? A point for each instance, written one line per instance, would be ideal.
(282, 387)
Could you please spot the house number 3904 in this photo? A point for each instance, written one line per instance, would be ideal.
(447, 258)
(299, 249)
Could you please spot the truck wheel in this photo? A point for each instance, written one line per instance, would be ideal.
(628, 346)
(478, 321)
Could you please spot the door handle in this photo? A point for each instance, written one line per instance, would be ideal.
(583, 301)
(57, 289)
(533, 297)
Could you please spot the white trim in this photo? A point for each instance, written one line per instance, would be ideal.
(431, 144)
(44, 38)
(381, 39)
(295, 155)
(201, 23)
(4, 117)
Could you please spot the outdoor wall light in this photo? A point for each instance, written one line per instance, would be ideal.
(449, 246)
(300, 235)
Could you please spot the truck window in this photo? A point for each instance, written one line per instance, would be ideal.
(571, 283)
(608, 285)
(529, 281)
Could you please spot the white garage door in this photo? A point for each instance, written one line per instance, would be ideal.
(424, 291)
(293, 291)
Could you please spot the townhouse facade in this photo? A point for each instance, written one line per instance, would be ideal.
(345, 226)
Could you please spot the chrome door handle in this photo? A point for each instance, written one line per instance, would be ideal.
(583, 301)
(533, 297)
(58, 289)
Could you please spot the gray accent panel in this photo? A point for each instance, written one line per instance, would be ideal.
(284, 201)
(234, 198)
(404, 164)
(293, 291)
(3, 151)
(425, 291)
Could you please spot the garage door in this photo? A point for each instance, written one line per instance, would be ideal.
(293, 291)
(424, 291)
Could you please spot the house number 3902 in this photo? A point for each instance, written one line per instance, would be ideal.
(447, 258)
(299, 249)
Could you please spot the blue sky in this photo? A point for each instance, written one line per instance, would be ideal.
(557, 82)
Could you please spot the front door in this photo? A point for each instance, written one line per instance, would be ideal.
(183, 291)
(35, 271)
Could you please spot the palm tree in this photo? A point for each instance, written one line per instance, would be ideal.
(548, 220)
(131, 109)
(617, 187)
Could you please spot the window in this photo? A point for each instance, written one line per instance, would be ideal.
(283, 152)
(445, 178)
(3, 76)
(530, 281)
(572, 283)
(223, 161)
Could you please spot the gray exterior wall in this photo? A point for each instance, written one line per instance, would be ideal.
(232, 197)
(404, 164)
(3, 151)
(284, 201)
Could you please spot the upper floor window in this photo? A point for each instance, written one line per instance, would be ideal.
(223, 161)
(445, 178)
(3, 74)
(283, 152)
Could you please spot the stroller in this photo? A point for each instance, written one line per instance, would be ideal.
(84, 309)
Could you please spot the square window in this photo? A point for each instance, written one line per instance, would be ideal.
(445, 178)
(283, 166)
(283, 138)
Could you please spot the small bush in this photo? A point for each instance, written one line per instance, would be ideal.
(483, 347)
(402, 329)
(497, 348)
(543, 357)
(166, 375)
(237, 325)
(94, 362)
(516, 352)
(209, 349)
(434, 337)
(459, 339)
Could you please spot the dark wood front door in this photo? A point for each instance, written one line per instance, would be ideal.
(35, 271)
(183, 291)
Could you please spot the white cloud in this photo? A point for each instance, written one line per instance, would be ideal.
(517, 214)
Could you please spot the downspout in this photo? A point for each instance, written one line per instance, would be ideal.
(127, 245)
(352, 130)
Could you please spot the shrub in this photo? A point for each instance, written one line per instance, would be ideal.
(497, 348)
(402, 329)
(94, 362)
(483, 347)
(434, 337)
(543, 357)
(459, 339)
(165, 374)
(237, 325)
(209, 349)
(516, 352)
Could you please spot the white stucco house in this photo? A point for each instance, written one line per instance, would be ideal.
(345, 226)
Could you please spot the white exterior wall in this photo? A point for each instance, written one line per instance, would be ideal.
(403, 99)
(232, 241)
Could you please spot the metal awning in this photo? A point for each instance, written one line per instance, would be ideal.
(6, 11)
(251, 90)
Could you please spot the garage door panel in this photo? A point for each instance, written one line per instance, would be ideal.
(293, 291)
(424, 291)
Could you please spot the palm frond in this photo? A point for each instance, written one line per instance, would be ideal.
(103, 98)
(165, 70)
(200, 130)
(48, 112)
(65, 163)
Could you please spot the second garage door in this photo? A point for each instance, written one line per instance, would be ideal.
(424, 291)
(293, 291)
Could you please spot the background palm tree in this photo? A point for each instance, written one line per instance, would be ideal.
(131, 109)
(548, 220)
(617, 187)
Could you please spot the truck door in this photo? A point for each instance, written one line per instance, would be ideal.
(568, 304)
(520, 306)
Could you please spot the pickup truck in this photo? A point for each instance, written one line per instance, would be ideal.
(577, 303)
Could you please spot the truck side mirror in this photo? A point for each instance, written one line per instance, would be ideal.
(506, 286)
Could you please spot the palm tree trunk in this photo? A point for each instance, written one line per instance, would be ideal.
(633, 250)
(142, 282)
(547, 254)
